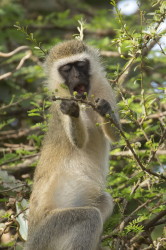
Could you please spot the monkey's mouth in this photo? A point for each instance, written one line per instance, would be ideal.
(81, 90)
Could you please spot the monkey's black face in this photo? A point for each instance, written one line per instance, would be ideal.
(76, 76)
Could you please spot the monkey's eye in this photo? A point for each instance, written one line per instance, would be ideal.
(65, 68)
(81, 64)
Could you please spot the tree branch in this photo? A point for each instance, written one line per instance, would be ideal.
(2, 54)
(109, 53)
(147, 226)
(27, 56)
(15, 103)
(121, 226)
(129, 153)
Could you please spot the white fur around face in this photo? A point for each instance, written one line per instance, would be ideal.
(55, 79)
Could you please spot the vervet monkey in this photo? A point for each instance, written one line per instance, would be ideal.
(69, 205)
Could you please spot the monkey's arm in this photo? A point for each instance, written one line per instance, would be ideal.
(73, 123)
(110, 129)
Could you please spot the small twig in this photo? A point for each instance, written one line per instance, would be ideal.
(10, 189)
(14, 103)
(153, 152)
(123, 74)
(162, 50)
(22, 211)
(54, 98)
(15, 147)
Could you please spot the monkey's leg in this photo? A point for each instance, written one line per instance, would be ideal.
(67, 229)
(105, 205)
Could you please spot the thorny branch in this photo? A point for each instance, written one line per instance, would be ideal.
(120, 132)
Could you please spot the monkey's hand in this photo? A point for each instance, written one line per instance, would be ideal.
(103, 107)
(70, 108)
(105, 110)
